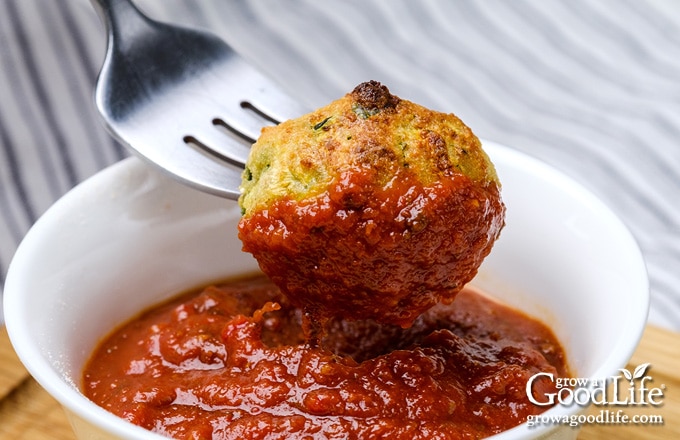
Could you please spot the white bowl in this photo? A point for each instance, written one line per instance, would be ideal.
(129, 238)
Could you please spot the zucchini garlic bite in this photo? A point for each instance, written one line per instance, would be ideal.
(371, 207)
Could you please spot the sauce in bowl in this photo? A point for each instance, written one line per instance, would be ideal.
(231, 361)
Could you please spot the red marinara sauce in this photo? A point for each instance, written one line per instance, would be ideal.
(366, 251)
(231, 362)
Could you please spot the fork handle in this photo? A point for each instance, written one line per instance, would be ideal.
(121, 18)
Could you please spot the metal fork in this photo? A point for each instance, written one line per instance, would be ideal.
(183, 99)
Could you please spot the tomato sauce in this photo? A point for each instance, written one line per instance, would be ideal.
(395, 249)
(232, 362)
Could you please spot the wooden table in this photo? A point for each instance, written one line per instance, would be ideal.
(28, 412)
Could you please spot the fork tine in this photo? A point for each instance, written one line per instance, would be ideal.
(220, 141)
(269, 99)
(250, 86)
(247, 124)
(198, 169)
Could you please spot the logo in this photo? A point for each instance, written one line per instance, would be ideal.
(629, 389)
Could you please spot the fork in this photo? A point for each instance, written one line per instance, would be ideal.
(183, 99)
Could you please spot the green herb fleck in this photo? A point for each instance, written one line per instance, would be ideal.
(322, 123)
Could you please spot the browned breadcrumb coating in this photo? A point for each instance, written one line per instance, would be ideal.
(368, 127)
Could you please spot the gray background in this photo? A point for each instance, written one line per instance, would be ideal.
(591, 87)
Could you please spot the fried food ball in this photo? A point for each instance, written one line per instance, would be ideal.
(371, 207)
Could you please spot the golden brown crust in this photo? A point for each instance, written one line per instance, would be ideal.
(367, 128)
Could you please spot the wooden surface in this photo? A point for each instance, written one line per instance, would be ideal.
(28, 412)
